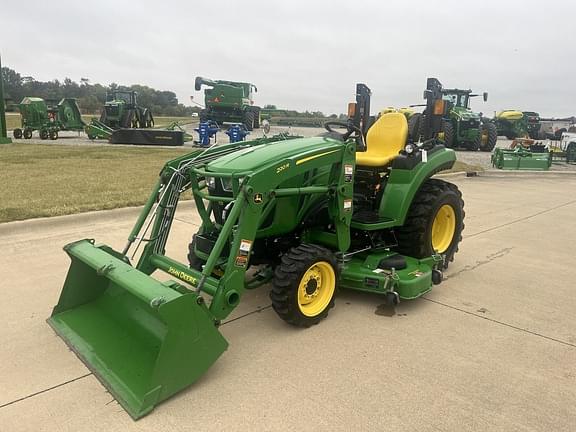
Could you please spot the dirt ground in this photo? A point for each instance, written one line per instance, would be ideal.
(493, 348)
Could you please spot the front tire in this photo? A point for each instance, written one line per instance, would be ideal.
(415, 127)
(434, 223)
(304, 285)
(448, 134)
(489, 137)
(17, 133)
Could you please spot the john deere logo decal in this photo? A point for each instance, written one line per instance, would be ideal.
(258, 198)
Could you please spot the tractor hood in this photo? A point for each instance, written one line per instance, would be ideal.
(253, 158)
(465, 114)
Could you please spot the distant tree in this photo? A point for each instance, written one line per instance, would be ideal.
(269, 106)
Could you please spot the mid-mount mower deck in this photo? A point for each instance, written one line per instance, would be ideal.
(353, 210)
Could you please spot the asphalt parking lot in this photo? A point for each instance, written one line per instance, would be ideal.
(493, 348)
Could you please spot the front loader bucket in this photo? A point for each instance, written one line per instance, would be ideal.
(143, 339)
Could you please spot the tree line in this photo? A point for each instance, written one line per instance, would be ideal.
(90, 97)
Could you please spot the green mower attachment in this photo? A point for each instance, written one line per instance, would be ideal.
(356, 210)
(521, 158)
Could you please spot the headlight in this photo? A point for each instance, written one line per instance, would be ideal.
(409, 149)
(211, 182)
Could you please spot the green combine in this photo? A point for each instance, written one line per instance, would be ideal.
(229, 102)
(465, 128)
(356, 208)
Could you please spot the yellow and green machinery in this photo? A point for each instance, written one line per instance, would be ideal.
(518, 124)
(356, 208)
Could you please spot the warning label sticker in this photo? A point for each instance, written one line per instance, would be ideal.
(245, 246)
(241, 261)
(348, 172)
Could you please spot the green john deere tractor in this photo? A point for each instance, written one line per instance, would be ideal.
(121, 110)
(229, 102)
(465, 128)
(356, 208)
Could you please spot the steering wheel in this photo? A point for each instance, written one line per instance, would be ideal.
(350, 128)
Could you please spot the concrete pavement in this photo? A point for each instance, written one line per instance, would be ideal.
(491, 349)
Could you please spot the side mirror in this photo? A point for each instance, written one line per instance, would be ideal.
(485, 96)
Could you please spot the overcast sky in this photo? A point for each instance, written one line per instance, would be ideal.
(306, 54)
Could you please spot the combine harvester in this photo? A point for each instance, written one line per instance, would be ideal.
(356, 209)
(229, 102)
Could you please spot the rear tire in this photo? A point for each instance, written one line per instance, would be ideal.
(448, 131)
(435, 200)
(17, 133)
(305, 284)
(256, 118)
(491, 134)
(27, 133)
(53, 134)
(249, 120)
(43, 134)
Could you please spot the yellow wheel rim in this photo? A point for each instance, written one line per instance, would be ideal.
(441, 136)
(316, 288)
(484, 138)
(443, 228)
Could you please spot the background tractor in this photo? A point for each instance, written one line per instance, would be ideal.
(121, 110)
(355, 208)
(229, 102)
(463, 127)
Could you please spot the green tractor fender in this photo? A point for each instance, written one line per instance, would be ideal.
(403, 184)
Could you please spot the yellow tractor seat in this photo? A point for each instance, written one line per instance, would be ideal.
(384, 140)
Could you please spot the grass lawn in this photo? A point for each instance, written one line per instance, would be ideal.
(13, 120)
(52, 180)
